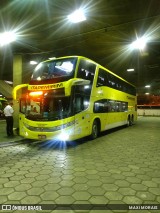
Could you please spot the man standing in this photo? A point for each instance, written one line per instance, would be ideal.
(8, 112)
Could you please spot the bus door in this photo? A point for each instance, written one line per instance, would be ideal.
(80, 108)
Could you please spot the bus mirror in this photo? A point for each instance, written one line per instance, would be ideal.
(75, 82)
(16, 88)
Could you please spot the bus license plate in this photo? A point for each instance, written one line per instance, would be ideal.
(41, 137)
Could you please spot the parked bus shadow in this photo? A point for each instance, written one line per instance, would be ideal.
(63, 145)
(110, 131)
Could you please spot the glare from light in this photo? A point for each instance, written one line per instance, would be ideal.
(147, 93)
(100, 92)
(130, 70)
(86, 87)
(140, 43)
(77, 16)
(66, 66)
(38, 66)
(123, 53)
(86, 103)
(61, 145)
(33, 62)
(39, 79)
(26, 134)
(35, 93)
(147, 86)
(63, 136)
(7, 37)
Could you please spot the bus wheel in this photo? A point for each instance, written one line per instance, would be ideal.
(132, 120)
(128, 121)
(95, 130)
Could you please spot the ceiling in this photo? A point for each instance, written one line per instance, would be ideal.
(111, 26)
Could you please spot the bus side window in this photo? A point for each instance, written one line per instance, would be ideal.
(118, 106)
(111, 104)
(79, 106)
(101, 106)
(102, 78)
(81, 97)
(124, 106)
(81, 74)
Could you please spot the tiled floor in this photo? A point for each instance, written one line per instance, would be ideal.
(122, 166)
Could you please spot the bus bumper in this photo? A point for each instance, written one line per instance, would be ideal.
(62, 135)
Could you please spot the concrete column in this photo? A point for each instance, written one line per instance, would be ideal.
(17, 79)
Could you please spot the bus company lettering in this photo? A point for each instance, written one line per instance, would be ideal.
(45, 87)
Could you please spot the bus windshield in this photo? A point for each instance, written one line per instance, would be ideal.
(55, 68)
(48, 108)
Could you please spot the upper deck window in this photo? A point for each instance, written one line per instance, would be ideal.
(86, 70)
(107, 79)
(54, 69)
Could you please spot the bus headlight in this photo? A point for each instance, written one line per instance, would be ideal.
(63, 136)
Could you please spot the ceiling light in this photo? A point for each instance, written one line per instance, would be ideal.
(33, 62)
(77, 16)
(147, 86)
(130, 70)
(140, 43)
(147, 93)
(7, 37)
(9, 82)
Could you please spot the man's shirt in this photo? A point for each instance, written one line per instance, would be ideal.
(8, 111)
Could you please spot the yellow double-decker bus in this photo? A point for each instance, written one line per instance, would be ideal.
(72, 97)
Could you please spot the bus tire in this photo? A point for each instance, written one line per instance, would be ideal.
(128, 121)
(132, 120)
(95, 130)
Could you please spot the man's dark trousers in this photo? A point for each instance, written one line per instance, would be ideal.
(9, 127)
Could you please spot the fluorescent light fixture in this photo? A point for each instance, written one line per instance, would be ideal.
(7, 37)
(77, 16)
(9, 82)
(130, 70)
(147, 86)
(52, 58)
(33, 62)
